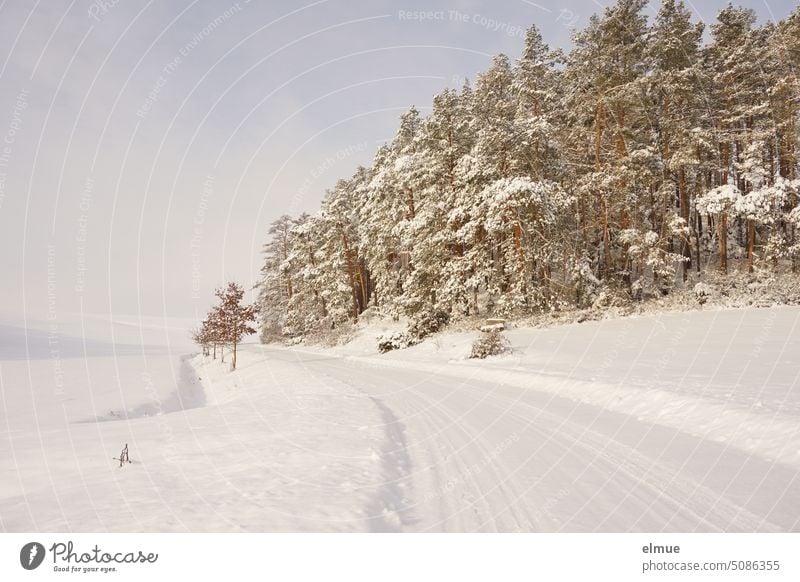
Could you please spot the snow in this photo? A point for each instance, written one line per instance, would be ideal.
(720, 199)
(666, 422)
(730, 376)
(256, 450)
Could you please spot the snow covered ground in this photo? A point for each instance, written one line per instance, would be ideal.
(252, 451)
(674, 422)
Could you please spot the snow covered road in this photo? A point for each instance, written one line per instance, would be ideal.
(488, 456)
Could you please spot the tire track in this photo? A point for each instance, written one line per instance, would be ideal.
(495, 494)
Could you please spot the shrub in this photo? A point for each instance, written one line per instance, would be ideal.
(702, 292)
(491, 343)
(398, 340)
(427, 322)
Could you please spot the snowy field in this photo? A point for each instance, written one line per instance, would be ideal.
(675, 422)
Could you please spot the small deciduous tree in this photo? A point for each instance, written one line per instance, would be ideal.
(226, 323)
(200, 337)
(234, 318)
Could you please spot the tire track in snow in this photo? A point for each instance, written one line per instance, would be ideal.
(621, 459)
(389, 510)
(434, 432)
(684, 496)
(609, 476)
(480, 480)
(491, 460)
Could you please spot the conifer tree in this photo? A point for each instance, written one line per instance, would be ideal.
(561, 179)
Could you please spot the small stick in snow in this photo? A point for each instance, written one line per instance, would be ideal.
(123, 456)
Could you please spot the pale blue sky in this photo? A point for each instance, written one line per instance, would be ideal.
(145, 146)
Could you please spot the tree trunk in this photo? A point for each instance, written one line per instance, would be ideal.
(723, 242)
(606, 239)
(350, 275)
(285, 257)
(605, 267)
(793, 198)
(518, 246)
(686, 251)
(698, 233)
(363, 299)
(316, 291)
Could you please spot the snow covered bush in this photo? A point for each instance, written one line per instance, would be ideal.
(651, 267)
(492, 343)
(427, 322)
(702, 292)
(775, 249)
(584, 281)
(327, 335)
(793, 251)
(398, 340)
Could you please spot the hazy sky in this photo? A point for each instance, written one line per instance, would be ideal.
(146, 146)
